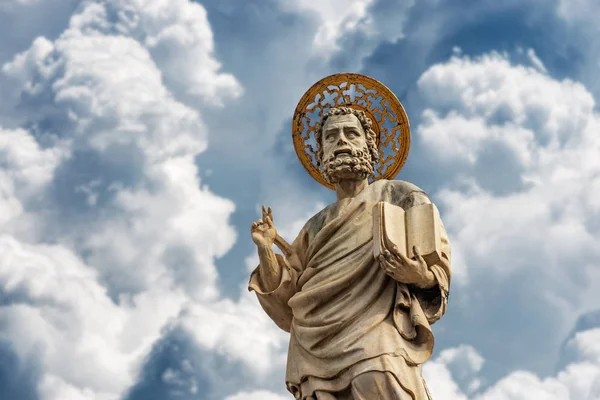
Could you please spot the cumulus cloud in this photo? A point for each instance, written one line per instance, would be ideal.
(27, 170)
(337, 18)
(59, 314)
(359, 24)
(546, 127)
(443, 373)
(578, 380)
(178, 36)
(520, 204)
(239, 330)
(107, 231)
(109, 100)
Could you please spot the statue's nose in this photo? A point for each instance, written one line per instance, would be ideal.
(342, 141)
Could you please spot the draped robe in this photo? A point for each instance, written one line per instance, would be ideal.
(345, 315)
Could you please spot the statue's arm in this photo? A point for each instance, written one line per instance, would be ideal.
(269, 269)
(433, 292)
(434, 300)
(274, 280)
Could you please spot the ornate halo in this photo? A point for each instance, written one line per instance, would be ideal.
(360, 92)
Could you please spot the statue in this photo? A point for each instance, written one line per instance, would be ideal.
(359, 324)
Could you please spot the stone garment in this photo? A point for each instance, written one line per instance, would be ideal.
(345, 315)
(369, 386)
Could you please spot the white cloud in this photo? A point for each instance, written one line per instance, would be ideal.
(60, 315)
(535, 61)
(543, 229)
(587, 345)
(548, 129)
(108, 95)
(578, 380)
(27, 170)
(105, 172)
(490, 87)
(339, 19)
(440, 382)
(239, 330)
(178, 36)
(454, 372)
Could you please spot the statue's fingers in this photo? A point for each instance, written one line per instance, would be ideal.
(269, 221)
(398, 255)
(403, 259)
(382, 260)
(264, 212)
(395, 274)
(417, 253)
(387, 255)
(389, 267)
(270, 213)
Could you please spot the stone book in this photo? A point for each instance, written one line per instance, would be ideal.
(418, 226)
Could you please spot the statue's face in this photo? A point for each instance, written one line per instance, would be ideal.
(341, 135)
(345, 151)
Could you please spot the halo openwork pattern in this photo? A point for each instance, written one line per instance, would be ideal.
(359, 92)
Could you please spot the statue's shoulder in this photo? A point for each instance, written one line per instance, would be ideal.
(402, 193)
(317, 220)
(398, 186)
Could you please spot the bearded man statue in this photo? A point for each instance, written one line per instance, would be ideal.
(359, 326)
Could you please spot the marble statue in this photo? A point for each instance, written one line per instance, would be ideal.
(359, 325)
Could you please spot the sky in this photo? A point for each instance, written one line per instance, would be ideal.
(139, 139)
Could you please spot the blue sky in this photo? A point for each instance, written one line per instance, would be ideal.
(138, 139)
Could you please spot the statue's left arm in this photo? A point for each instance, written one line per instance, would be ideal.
(434, 300)
(430, 284)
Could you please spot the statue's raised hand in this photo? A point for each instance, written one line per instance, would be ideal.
(263, 230)
(407, 270)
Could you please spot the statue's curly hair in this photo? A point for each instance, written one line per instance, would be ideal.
(365, 122)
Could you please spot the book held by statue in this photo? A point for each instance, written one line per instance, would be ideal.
(418, 226)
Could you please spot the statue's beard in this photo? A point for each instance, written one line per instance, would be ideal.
(355, 166)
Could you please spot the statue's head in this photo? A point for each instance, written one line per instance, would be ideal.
(346, 145)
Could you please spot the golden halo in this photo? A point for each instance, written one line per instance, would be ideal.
(359, 92)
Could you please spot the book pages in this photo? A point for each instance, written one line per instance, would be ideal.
(419, 226)
(423, 231)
